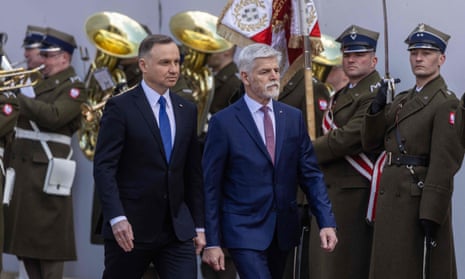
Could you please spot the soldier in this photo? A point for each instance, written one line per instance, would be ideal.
(39, 226)
(8, 116)
(413, 231)
(226, 79)
(31, 44)
(337, 151)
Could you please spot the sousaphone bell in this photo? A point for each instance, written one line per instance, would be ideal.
(196, 31)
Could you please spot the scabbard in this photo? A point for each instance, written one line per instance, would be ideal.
(427, 249)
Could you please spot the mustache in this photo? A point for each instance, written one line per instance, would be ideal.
(271, 84)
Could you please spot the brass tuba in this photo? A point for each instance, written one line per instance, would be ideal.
(197, 32)
(325, 60)
(116, 37)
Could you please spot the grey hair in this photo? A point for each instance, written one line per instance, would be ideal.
(251, 52)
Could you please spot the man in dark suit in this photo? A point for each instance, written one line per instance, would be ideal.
(147, 173)
(251, 175)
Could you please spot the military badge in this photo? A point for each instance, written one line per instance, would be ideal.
(74, 93)
(7, 109)
(452, 117)
(322, 104)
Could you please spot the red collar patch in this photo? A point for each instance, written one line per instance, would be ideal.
(74, 93)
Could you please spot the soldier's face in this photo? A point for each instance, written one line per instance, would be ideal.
(33, 57)
(54, 62)
(160, 68)
(426, 62)
(358, 65)
(263, 81)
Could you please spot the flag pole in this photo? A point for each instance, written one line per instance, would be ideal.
(310, 105)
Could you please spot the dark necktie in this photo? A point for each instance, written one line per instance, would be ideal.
(269, 133)
(165, 128)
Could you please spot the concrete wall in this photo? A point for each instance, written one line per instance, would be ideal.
(334, 16)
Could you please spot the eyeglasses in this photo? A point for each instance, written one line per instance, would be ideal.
(50, 54)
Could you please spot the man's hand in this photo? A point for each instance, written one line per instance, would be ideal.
(430, 229)
(379, 102)
(123, 235)
(328, 239)
(214, 257)
(199, 242)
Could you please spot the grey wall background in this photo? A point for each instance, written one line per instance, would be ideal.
(334, 17)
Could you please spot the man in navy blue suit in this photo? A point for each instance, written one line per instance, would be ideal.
(256, 152)
(148, 175)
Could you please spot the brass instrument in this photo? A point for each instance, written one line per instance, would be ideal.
(329, 57)
(11, 78)
(197, 32)
(18, 78)
(116, 37)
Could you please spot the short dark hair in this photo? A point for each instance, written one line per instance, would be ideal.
(147, 44)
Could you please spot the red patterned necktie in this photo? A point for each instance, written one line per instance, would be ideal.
(269, 133)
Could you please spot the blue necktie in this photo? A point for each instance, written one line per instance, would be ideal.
(165, 128)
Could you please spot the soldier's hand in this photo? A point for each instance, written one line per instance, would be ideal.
(430, 228)
(379, 102)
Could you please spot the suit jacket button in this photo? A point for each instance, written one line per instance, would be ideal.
(165, 196)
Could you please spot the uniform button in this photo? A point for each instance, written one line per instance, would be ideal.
(165, 196)
(381, 192)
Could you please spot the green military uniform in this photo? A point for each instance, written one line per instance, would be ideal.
(424, 123)
(8, 115)
(348, 190)
(39, 225)
(226, 85)
(461, 120)
(293, 94)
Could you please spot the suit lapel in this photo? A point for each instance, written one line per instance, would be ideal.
(180, 119)
(280, 120)
(245, 118)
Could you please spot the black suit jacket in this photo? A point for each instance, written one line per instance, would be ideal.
(132, 175)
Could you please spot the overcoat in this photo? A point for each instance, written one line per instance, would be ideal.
(348, 190)
(8, 115)
(423, 121)
(39, 225)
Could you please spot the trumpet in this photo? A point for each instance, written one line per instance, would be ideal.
(18, 78)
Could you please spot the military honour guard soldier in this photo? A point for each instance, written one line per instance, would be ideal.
(339, 152)
(31, 44)
(40, 228)
(8, 115)
(412, 230)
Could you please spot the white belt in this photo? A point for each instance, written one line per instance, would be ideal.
(2, 167)
(42, 136)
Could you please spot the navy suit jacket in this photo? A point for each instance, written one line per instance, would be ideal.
(132, 175)
(247, 198)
